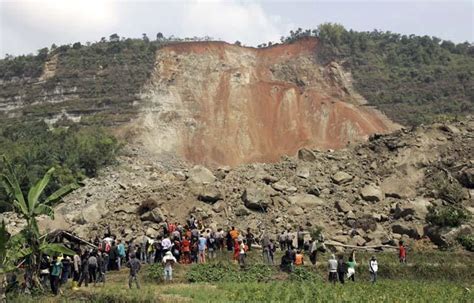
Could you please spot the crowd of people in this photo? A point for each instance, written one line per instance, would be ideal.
(192, 243)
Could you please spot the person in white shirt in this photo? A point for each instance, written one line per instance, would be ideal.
(169, 260)
(166, 244)
(373, 268)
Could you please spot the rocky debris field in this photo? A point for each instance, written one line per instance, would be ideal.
(368, 194)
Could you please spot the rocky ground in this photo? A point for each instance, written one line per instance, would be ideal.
(367, 194)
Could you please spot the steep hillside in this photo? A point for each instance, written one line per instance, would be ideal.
(221, 104)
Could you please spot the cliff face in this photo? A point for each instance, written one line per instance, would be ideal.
(221, 104)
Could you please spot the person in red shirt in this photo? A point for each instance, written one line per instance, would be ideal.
(236, 250)
(402, 253)
(186, 250)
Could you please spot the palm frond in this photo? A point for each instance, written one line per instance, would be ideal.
(36, 191)
(61, 193)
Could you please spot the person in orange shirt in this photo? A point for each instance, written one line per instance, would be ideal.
(234, 233)
(299, 260)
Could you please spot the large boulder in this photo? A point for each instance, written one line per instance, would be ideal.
(305, 154)
(306, 200)
(466, 177)
(371, 193)
(417, 208)
(257, 197)
(397, 187)
(341, 177)
(219, 206)
(207, 193)
(343, 206)
(241, 211)
(94, 212)
(201, 175)
(357, 241)
(154, 215)
(411, 230)
(446, 236)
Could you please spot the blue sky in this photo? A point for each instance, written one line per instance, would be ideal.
(28, 25)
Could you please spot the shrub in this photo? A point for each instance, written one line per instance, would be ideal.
(301, 273)
(451, 216)
(224, 272)
(155, 272)
(448, 189)
(467, 241)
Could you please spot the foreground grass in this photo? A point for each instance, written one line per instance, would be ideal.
(383, 291)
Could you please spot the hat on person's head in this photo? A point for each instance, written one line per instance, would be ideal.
(168, 253)
(373, 257)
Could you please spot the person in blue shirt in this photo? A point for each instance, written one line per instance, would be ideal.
(121, 253)
(202, 245)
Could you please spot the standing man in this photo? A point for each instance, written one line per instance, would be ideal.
(169, 260)
(77, 270)
(373, 268)
(300, 237)
(56, 270)
(332, 268)
(250, 238)
(134, 265)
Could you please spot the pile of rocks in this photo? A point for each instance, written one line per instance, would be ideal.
(369, 194)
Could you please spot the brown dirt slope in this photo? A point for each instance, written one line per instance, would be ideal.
(215, 103)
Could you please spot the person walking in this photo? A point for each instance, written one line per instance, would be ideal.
(266, 248)
(168, 260)
(373, 268)
(100, 268)
(56, 270)
(332, 268)
(134, 265)
(212, 245)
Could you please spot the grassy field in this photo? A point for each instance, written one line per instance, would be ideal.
(428, 277)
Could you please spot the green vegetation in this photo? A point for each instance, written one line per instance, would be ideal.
(467, 241)
(413, 79)
(29, 245)
(74, 152)
(225, 272)
(451, 216)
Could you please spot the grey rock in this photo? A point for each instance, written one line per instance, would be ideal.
(371, 193)
(257, 197)
(201, 175)
(343, 206)
(306, 200)
(341, 177)
(305, 154)
(411, 230)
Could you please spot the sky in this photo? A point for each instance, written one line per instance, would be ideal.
(28, 25)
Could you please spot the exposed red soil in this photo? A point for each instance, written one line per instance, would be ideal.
(245, 114)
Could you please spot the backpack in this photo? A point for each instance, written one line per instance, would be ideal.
(107, 247)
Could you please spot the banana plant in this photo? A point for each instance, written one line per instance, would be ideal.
(29, 245)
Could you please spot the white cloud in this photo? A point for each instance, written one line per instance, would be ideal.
(51, 15)
(230, 21)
